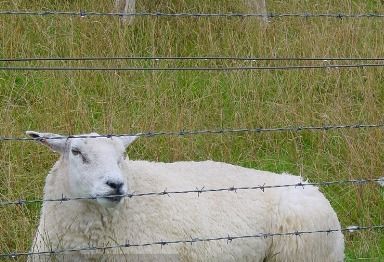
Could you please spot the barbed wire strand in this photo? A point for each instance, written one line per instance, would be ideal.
(191, 241)
(240, 68)
(199, 191)
(83, 13)
(206, 131)
(364, 259)
(189, 58)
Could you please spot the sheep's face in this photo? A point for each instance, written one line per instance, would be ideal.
(94, 165)
(94, 169)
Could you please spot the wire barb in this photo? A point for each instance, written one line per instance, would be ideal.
(232, 189)
(20, 202)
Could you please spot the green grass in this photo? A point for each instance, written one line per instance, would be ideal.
(125, 102)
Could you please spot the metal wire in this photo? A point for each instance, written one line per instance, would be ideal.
(207, 131)
(195, 15)
(189, 58)
(364, 259)
(198, 191)
(240, 68)
(191, 241)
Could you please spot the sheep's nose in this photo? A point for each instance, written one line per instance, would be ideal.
(115, 185)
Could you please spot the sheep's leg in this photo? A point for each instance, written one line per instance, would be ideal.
(129, 8)
(260, 7)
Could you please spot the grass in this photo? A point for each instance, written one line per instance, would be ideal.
(121, 102)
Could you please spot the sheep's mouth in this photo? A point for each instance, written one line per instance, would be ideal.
(112, 198)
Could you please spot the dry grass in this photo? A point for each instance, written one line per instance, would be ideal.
(108, 102)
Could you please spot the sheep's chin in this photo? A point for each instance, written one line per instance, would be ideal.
(107, 203)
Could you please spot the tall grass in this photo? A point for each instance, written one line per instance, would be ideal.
(116, 102)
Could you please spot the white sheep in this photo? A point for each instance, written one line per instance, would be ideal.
(96, 167)
(129, 7)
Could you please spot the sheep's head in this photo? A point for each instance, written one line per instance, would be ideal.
(94, 165)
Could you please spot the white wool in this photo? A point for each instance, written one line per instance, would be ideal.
(76, 224)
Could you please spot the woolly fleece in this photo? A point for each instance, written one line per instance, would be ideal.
(75, 224)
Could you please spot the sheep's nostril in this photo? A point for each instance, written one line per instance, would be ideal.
(115, 185)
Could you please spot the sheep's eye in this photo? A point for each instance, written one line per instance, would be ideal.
(76, 152)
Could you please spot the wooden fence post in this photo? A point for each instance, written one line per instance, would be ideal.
(259, 7)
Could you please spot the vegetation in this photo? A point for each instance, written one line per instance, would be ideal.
(72, 102)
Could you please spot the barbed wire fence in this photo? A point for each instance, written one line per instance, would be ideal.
(367, 62)
(221, 63)
(207, 132)
(188, 58)
(199, 191)
(83, 13)
(240, 68)
(194, 240)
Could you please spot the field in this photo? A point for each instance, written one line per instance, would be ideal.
(72, 102)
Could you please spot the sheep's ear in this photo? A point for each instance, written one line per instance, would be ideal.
(127, 140)
(57, 145)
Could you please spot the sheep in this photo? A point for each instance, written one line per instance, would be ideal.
(97, 168)
(129, 7)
